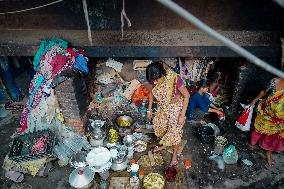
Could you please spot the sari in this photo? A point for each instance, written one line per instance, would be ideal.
(269, 123)
(165, 122)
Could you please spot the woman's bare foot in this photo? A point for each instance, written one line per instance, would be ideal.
(158, 148)
(174, 161)
(202, 122)
(269, 158)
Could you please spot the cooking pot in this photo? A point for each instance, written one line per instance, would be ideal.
(205, 133)
(81, 178)
(124, 121)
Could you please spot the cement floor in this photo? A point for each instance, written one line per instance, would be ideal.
(203, 174)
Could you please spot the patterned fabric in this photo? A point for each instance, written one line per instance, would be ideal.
(269, 122)
(272, 143)
(45, 45)
(174, 81)
(39, 86)
(197, 68)
(165, 123)
(270, 114)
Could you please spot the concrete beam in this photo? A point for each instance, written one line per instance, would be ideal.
(171, 43)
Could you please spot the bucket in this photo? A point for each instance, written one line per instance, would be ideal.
(219, 144)
(206, 134)
(171, 174)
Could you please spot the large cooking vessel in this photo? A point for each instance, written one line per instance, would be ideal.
(99, 159)
(81, 178)
(120, 161)
(124, 121)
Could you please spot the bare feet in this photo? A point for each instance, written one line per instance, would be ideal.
(158, 148)
(174, 161)
(269, 158)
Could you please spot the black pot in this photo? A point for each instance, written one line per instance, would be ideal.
(205, 134)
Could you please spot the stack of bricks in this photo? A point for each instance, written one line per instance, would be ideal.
(72, 99)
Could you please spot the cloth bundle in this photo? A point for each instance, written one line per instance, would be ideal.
(53, 58)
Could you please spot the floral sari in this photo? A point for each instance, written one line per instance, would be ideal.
(269, 122)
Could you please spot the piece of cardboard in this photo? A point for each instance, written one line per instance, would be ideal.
(134, 84)
(118, 182)
(139, 65)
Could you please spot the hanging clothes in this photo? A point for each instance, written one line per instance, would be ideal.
(52, 58)
(197, 68)
(8, 88)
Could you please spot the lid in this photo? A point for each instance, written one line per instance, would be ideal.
(98, 156)
(97, 123)
(81, 177)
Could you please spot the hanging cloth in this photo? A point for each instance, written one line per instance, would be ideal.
(85, 7)
(45, 45)
(122, 17)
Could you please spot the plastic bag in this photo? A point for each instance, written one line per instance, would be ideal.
(244, 121)
(140, 94)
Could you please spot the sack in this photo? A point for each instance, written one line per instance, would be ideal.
(244, 121)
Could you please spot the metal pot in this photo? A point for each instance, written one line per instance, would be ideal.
(119, 164)
(128, 140)
(81, 178)
(97, 134)
(124, 121)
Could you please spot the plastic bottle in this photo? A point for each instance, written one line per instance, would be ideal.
(230, 155)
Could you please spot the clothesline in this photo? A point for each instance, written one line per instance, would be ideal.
(33, 8)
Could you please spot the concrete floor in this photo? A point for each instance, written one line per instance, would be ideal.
(203, 174)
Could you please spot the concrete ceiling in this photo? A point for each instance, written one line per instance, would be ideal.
(254, 25)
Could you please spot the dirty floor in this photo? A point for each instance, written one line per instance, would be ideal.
(204, 173)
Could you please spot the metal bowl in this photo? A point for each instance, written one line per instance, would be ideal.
(124, 121)
(128, 140)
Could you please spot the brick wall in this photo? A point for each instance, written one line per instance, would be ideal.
(73, 99)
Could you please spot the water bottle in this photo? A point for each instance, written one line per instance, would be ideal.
(230, 155)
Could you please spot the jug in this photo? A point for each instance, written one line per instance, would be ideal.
(97, 134)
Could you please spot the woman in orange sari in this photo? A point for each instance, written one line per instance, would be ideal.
(269, 122)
